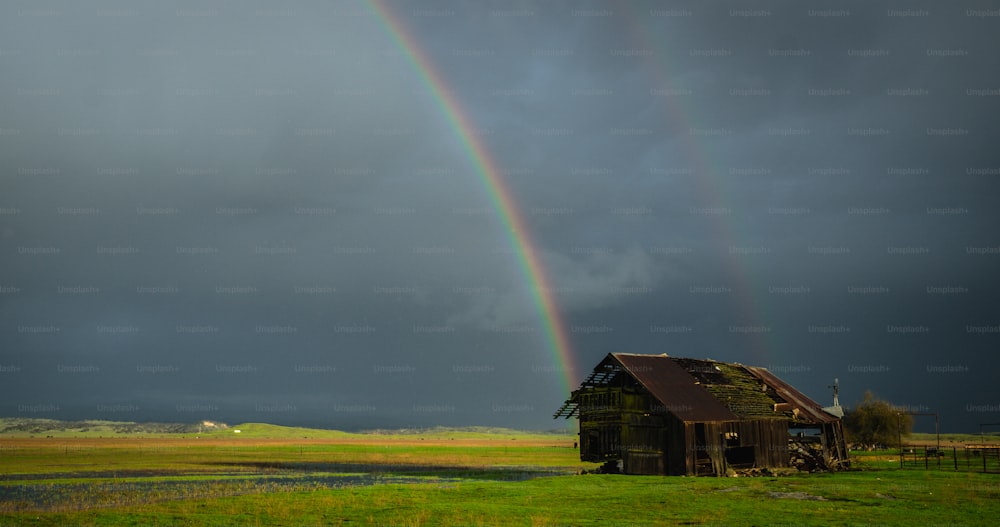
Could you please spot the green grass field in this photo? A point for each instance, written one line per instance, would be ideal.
(991, 438)
(268, 475)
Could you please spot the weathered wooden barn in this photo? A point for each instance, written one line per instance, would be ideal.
(656, 414)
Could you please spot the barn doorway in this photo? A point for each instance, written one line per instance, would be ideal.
(703, 465)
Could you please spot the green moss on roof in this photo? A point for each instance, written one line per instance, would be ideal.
(744, 394)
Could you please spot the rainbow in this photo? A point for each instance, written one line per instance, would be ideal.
(531, 267)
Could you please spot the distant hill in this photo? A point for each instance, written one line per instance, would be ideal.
(269, 431)
(26, 427)
(19, 426)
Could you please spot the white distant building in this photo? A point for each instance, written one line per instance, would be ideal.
(211, 425)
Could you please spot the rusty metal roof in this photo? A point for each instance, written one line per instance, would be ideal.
(809, 410)
(674, 387)
(696, 390)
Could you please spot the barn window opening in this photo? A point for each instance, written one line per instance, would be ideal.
(740, 457)
(803, 433)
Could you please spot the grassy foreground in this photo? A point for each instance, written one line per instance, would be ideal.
(274, 476)
(863, 498)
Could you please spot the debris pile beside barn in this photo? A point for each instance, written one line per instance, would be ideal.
(656, 414)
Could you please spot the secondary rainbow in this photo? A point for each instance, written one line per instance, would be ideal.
(541, 291)
(752, 308)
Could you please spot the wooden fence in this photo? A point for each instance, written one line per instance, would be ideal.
(978, 458)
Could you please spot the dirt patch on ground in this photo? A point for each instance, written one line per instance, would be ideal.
(795, 496)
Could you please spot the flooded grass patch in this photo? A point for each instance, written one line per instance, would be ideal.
(64, 491)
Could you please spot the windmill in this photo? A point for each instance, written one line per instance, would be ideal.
(836, 409)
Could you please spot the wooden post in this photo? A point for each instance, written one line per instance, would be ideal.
(899, 433)
(722, 452)
(937, 430)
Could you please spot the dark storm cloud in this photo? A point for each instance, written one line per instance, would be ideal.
(259, 212)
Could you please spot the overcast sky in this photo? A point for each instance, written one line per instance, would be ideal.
(256, 211)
